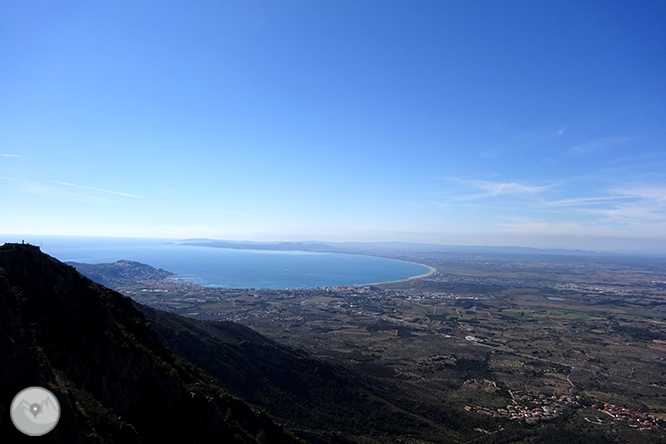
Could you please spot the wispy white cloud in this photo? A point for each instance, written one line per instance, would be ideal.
(636, 210)
(37, 188)
(598, 144)
(579, 201)
(635, 204)
(631, 213)
(28, 185)
(626, 211)
(577, 211)
(532, 226)
(594, 235)
(653, 193)
(512, 188)
(98, 189)
(493, 189)
(9, 155)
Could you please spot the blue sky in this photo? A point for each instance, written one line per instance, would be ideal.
(526, 123)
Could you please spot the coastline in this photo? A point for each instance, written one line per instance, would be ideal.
(96, 250)
(431, 270)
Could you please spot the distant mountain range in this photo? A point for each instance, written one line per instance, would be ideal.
(277, 246)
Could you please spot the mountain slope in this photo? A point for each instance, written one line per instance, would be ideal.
(305, 392)
(113, 377)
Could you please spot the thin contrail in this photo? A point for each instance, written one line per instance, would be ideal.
(98, 189)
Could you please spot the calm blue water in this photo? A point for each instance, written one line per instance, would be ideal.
(226, 268)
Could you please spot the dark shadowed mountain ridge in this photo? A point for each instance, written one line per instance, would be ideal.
(322, 399)
(126, 373)
(114, 378)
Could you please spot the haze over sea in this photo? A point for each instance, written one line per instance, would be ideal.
(230, 268)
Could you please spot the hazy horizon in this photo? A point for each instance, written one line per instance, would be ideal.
(380, 246)
(457, 123)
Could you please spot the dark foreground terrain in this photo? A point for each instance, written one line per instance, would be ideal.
(115, 380)
(442, 360)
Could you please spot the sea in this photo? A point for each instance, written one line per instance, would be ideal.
(229, 268)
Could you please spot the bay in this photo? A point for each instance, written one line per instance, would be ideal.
(230, 268)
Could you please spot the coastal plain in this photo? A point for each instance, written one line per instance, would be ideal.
(524, 340)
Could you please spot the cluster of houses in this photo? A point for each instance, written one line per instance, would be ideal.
(532, 408)
(644, 421)
(529, 408)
